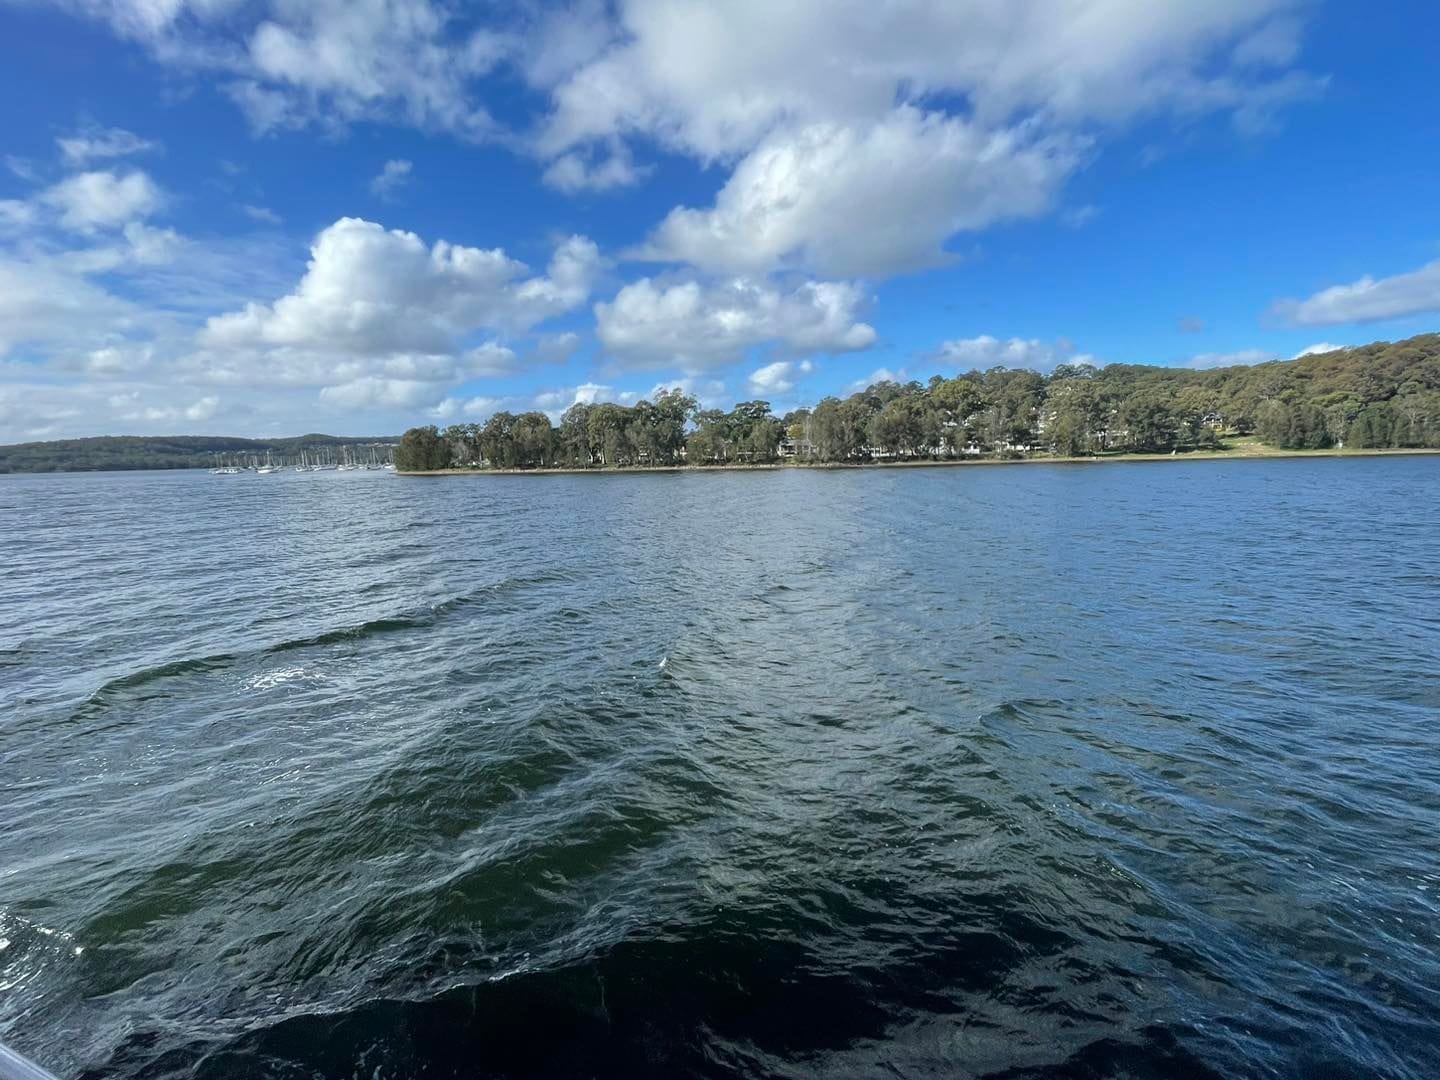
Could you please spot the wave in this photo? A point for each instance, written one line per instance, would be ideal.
(131, 686)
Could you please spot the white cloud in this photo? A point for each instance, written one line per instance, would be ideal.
(879, 375)
(98, 200)
(382, 59)
(16, 214)
(842, 200)
(372, 391)
(709, 393)
(563, 39)
(1318, 348)
(101, 143)
(262, 214)
(714, 78)
(48, 306)
(984, 352)
(829, 105)
(579, 171)
(139, 405)
(391, 178)
(554, 403)
(116, 360)
(961, 113)
(697, 327)
(778, 377)
(1368, 300)
(371, 292)
(266, 109)
(489, 360)
(143, 246)
(380, 320)
(475, 408)
(326, 62)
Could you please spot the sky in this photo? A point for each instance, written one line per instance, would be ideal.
(269, 217)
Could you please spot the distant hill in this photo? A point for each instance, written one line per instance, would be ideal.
(121, 452)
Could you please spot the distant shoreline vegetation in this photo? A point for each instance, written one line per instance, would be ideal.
(125, 453)
(1373, 397)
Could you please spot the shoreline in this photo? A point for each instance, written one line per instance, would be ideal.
(1196, 455)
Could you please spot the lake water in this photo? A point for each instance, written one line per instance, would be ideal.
(1024, 771)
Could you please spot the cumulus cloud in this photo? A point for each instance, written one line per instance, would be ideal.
(979, 110)
(714, 78)
(1319, 348)
(380, 319)
(100, 143)
(698, 327)
(846, 201)
(99, 200)
(778, 377)
(369, 291)
(391, 178)
(984, 352)
(1368, 300)
(830, 105)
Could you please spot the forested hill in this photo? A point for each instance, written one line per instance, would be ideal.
(172, 451)
(1373, 396)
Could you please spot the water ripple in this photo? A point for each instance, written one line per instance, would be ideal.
(985, 772)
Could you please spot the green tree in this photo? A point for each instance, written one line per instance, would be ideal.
(422, 449)
(497, 441)
(574, 435)
(534, 440)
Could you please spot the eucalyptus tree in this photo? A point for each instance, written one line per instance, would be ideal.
(609, 438)
(497, 441)
(574, 435)
(422, 449)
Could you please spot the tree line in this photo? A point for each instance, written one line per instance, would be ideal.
(131, 452)
(1376, 396)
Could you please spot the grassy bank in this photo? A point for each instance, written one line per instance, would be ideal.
(1240, 449)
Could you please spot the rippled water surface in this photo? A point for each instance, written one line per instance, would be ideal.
(1107, 770)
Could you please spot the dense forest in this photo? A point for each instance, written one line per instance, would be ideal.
(120, 452)
(1374, 396)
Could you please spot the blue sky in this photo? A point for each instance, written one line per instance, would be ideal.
(291, 215)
